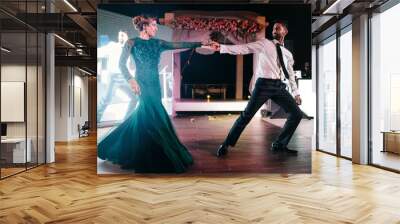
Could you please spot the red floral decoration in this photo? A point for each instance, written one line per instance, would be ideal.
(240, 27)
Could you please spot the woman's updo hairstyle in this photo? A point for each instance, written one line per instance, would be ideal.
(140, 21)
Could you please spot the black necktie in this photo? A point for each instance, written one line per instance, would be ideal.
(280, 57)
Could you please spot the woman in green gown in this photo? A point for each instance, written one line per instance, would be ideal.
(146, 141)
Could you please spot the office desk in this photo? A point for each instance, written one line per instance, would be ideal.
(391, 141)
(13, 150)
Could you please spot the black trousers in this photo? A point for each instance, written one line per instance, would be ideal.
(276, 91)
(116, 81)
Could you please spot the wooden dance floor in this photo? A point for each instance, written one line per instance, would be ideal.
(203, 134)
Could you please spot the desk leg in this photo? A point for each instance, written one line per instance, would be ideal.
(384, 143)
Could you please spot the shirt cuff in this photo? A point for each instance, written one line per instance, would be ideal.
(128, 78)
(223, 49)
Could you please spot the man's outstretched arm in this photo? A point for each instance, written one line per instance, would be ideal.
(240, 49)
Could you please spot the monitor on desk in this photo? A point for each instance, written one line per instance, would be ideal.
(3, 130)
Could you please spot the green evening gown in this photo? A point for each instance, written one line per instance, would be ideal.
(146, 141)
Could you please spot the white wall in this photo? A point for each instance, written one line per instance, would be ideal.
(71, 94)
(61, 103)
(16, 73)
(12, 73)
(80, 109)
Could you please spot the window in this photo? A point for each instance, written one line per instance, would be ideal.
(385, 89)
(327, 95)
(346, 93)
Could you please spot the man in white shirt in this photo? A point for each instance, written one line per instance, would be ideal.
(267, 84)
(112, 52)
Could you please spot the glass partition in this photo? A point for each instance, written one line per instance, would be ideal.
(22, 89)
(14, 153)
(327, 95)
(346, 93)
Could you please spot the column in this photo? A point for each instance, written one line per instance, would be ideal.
(239, 77)
(360, 90)
(50, 98)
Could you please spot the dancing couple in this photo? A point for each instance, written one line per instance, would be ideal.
(146, 141)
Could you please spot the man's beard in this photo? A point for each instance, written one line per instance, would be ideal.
(276, 36)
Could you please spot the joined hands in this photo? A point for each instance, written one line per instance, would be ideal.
(211, 45)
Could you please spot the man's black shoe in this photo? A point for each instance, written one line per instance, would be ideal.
(279, 148)
(290, 151)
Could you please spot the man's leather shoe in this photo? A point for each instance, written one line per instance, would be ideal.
(279, 148)
(222, 150)
(290, 151)
(276, 147)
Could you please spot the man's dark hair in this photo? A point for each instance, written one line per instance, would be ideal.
(281, 22)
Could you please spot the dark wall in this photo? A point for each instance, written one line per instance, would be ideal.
(220, 69)
(297, 17)
(208, 69)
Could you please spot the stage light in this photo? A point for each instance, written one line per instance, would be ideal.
(248, 97)
(208, 96)
(70, 5)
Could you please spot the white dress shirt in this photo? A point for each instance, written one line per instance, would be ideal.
(112, 51)
(265, 61)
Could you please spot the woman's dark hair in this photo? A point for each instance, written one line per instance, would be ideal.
(143, 20)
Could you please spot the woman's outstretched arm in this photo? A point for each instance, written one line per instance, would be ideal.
(166, 45)
(126, 51)
(123, 59)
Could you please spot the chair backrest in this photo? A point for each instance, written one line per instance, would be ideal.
(86, 125)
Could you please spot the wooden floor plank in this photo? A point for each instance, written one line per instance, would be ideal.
(70, 191)
(203, 134)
